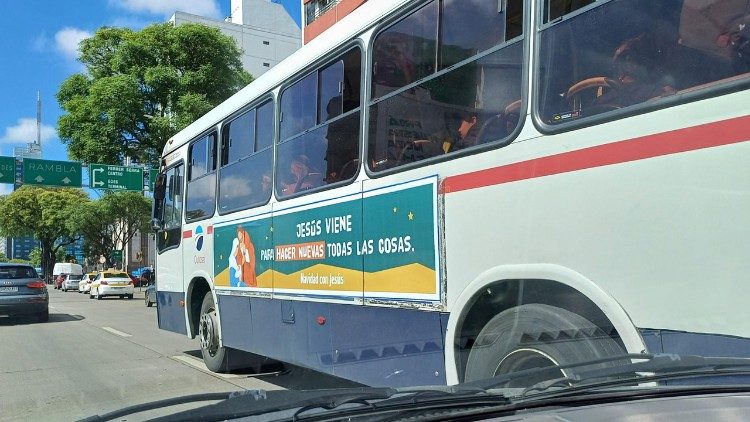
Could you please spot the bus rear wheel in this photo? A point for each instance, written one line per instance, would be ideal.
(536, 336)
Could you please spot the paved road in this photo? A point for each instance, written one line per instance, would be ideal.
(93, 357)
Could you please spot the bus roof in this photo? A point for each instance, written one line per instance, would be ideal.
(361, 19)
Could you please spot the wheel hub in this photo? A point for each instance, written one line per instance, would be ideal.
(526, 358)
(207, 332)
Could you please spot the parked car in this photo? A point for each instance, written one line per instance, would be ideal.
(22, 292)
(84, 286)
(150, 295)
(70, 282)
(111, 283)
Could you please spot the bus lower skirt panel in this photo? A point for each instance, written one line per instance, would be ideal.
(371, 345)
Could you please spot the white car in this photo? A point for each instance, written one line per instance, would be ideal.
(111, 283)
(85, 285)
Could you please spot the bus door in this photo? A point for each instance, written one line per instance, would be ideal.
(168, 205)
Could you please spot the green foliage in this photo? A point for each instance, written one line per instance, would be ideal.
(3, 258)
(142, 87)
(111, 221)
(35, 257)
(42, 213)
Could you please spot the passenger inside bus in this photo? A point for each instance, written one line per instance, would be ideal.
(592, 63)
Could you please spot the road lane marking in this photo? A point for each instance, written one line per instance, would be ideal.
(116, 332)
(198, 364)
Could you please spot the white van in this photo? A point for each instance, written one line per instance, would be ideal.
(66, 268)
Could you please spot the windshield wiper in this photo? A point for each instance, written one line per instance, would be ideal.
(297, 403)
(138, 408)
(655, 368)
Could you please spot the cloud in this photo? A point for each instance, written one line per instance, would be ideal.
(25, 131)
(6, 188)
(68, 39)
(41, 43)
(207, 8)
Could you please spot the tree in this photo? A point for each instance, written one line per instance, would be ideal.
(142, 87)
(42, 213)
(35, 257)
(111, 222)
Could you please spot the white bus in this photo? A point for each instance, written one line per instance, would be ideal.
(445, 190)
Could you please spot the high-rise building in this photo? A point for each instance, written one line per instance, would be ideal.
(319, 15)
(262, 29)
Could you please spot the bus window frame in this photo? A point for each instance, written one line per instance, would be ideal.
(321, 63)
(180, 162)
(525, 39)
(188, 175)
(687, 96)
(255, 104)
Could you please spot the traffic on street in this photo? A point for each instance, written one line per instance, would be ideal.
(96, 356)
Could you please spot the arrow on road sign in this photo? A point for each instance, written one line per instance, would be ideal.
(39, 179)
(94, 182)
(66, 180)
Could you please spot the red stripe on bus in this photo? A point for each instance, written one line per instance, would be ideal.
(693, 138)
(209, 229)
(187, 234)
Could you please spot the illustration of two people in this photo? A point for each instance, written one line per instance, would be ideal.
(242, 260)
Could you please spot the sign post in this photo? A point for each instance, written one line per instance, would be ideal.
(102, 176)
(51, 173)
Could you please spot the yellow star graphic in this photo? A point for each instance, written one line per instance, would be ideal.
(411, 216)
(395, 210)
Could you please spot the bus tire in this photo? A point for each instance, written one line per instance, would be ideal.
(537, 335)
(215, 357)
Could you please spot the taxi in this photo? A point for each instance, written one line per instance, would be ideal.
(85, 285)
(111, 283)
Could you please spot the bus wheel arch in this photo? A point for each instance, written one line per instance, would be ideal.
(523, 289)
(196, 291)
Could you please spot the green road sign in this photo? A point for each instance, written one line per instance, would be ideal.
(102, 176)
(117, 255)
(7, 170)
(51, 173)
(152, 174)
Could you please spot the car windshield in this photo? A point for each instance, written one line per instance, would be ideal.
(8, 272)
(412, 208)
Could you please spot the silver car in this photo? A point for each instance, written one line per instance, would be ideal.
(71, 282)
(22, 292)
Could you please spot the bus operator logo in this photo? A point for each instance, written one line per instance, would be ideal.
(199, 238)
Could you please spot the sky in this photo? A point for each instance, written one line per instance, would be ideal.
(38, 48)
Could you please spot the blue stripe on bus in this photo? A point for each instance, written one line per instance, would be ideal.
(686, 343)
(171, 314)
(371, 345)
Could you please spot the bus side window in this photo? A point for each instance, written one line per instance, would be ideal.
(171, 211)
(329, 152)
(628, 58)
(245, 173)
(476, 102)
(201, 186)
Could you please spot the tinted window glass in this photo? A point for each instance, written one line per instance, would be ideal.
(557, 8)
(406, 51)
(471, 26)
(636, 51)
(173, 199)
(325, 155)
(264, 126)
(299, 106)
(17, 272)
(201, 188)
(246, 183)
(474, 104)
(331, 91)
(239, 138)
